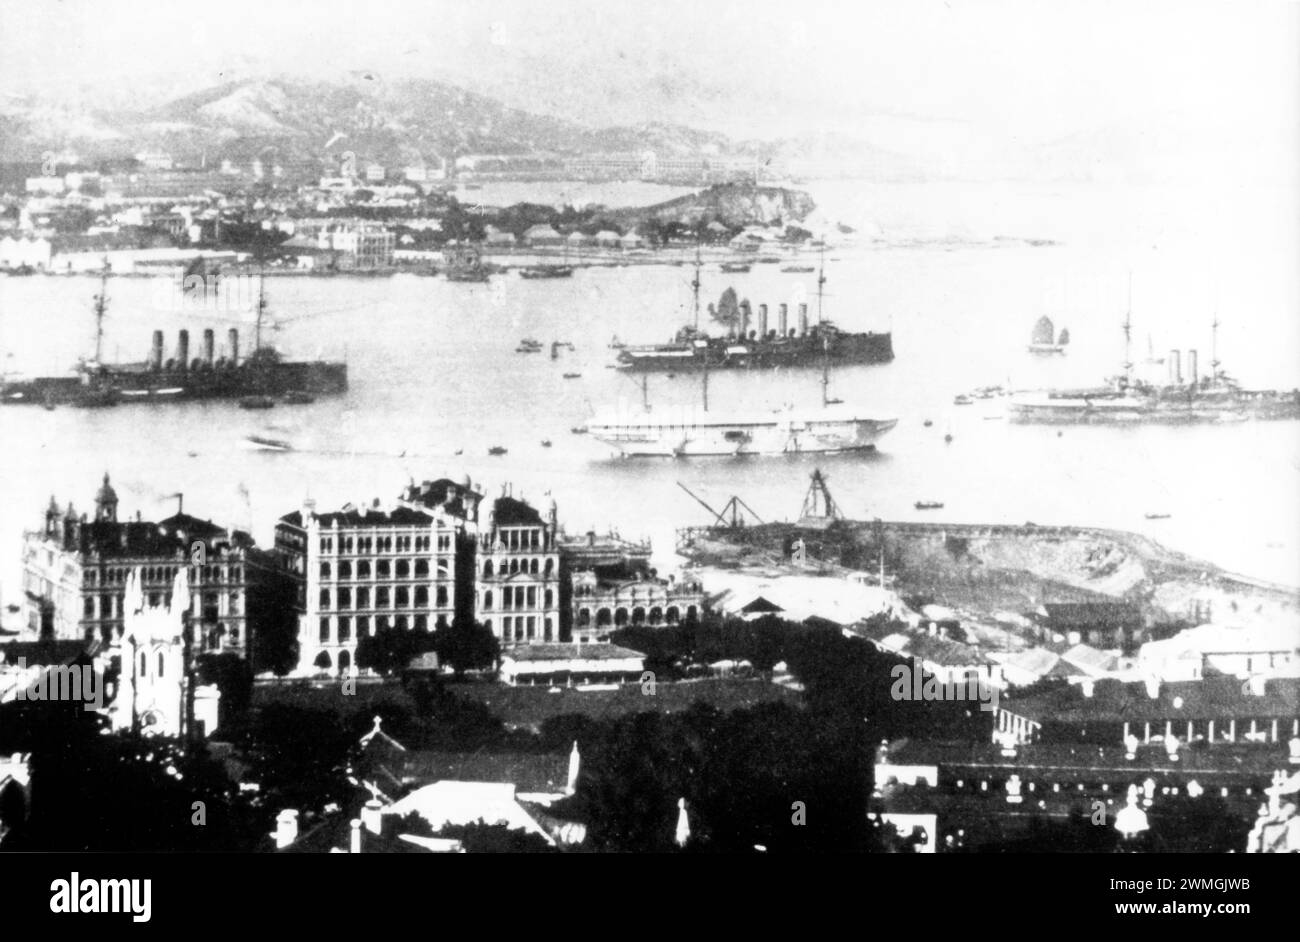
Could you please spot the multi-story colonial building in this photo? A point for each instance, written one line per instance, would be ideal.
(361, 569)
(609, 584)
(75, 573)
(518, 570)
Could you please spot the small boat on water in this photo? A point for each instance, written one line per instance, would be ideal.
(579, 430)
(800, 269)
(738, 268)
(546, 271)
(257, 402)
(261, 443)
(962, 400)
(927, 423)
(298, 398)
(1157, 516)
(929, 505)
(572, 375)
(528, 345)
(546, 443)
(497, 450)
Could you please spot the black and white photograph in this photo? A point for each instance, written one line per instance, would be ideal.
(678, 428)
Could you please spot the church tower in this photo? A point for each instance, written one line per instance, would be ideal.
(152, 686)
(106, 502)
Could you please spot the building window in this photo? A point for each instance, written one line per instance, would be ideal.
(324, 631)
(345, 598)
(160, 665)
(345, 628)
(533, 566)
(381, 597)
(383, 569)
(421, 595)
(363, 597)
(403, 569)
(403, 597)
(442, 596)
(363, 626)
(548, 597)
(324, 570)
(421, 622)
(345, 569)
(584, 617)
(324, 599)
(401, 623)
(88, 607)
(487, 600)
(487, 569)
(620, 617)
(548, 624)
(531, 627)
(421, 567)
(363, 569)
(345, 661)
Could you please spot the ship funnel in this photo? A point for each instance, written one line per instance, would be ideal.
(1192, 378)
(803, 319)
(209, 345)
(1175, 368)
(233, 343)
(745, 317)
(156, 351)
(783, 317)
(183, 350)
(762, 321)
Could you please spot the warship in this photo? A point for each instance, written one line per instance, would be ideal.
(262, 373)
(765, 346)
(1193, 398)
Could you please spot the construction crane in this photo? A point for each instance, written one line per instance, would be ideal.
(731, 516)
(818, 503)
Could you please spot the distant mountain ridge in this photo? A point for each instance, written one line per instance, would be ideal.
(296, 119)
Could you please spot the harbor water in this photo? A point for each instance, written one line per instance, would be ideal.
(958, 272)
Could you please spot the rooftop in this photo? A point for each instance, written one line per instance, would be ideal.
(567, 652)
(1214, 698)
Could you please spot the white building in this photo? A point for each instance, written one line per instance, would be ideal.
(152, 687)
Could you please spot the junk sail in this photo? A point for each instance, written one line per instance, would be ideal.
(1044, 332)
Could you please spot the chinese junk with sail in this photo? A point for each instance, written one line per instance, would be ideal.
(1044, 339)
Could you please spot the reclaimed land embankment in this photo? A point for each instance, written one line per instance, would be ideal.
(993, 567)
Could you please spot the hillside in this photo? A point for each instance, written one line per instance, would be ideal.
(732, 204)
(296, 120)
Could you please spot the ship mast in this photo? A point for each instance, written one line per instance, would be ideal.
(1214, 351)
(826, 375)
(695, 286)
(821, 281)
(1128, 334)
(261, 309)
(101, 306)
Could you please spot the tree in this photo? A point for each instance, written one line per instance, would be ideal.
(466, 645)
(233, 678)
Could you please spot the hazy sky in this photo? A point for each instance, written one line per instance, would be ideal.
(751, 68)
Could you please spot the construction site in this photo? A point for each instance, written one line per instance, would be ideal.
(999, 580)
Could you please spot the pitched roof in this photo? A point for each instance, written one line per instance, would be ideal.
(510, 512)
(560, 651)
